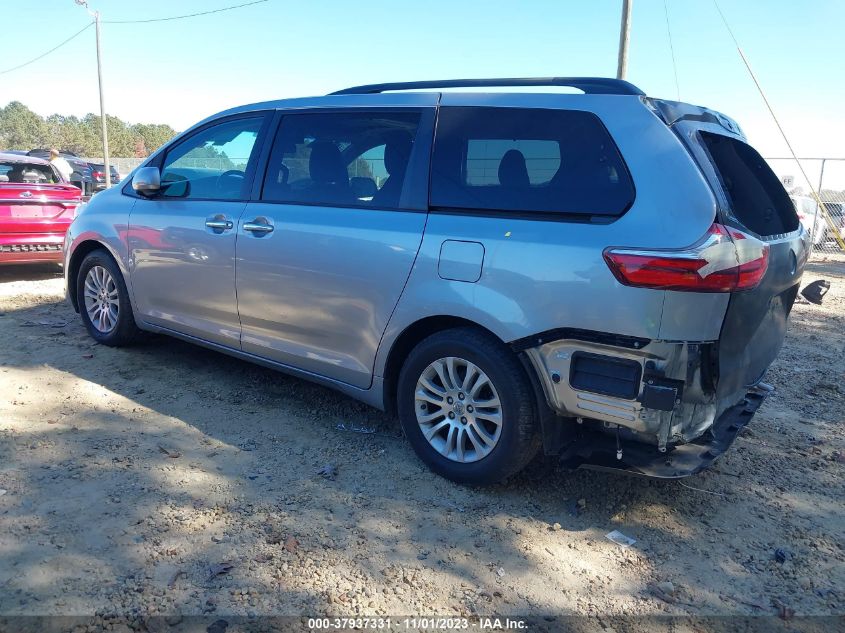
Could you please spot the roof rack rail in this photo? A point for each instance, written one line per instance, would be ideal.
(589, 85)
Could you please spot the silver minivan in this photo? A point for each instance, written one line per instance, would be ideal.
(601, 276)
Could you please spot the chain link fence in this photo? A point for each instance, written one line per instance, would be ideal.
(123, 165)
(826, 221)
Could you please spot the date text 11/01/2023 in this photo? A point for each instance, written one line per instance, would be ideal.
(418, 623)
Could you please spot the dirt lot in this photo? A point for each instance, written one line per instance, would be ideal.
(169, 479)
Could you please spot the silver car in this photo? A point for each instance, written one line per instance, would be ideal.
(602, 276)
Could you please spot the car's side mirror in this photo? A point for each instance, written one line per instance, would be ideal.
(147, 181)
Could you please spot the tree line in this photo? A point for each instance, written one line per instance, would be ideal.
(23, 129)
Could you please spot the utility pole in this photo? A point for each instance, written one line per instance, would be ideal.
(106, 163)
(624, 36)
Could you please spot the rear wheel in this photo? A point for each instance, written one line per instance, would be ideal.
(466, 406)
(103, 301)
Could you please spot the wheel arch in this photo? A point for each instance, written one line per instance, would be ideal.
(408, 339)
(80, 251)
(553, 432)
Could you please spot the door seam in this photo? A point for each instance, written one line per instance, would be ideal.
(398, 300)
(235, 276)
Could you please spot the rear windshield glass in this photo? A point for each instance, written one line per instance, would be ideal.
(29, 173)
(757, 197)
(527, 160)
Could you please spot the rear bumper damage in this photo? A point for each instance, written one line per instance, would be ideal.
(598, 451)
(644, 407)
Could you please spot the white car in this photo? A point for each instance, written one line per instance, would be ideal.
(814, 222)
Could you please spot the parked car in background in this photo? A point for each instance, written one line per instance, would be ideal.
(36, 208)
(99, 175)
(814, 220)
(836, 212)
(807, 210)
(83, 175)
(506, 271)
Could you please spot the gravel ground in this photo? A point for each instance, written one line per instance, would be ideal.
(167, 479)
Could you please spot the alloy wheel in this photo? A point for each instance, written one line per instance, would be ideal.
(458, 409)
(101, 299)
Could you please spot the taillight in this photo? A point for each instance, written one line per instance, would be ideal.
(724, 260)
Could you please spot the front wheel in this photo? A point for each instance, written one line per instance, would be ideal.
(103, 301)
(467, 408)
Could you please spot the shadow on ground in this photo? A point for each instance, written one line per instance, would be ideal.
(167, 478)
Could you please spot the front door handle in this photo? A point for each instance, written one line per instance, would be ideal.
(259, 227)
(218, 224)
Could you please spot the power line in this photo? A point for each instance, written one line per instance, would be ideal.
(182, 17)
(55, 48)
(672, 49)
(78, 33)
(818, 200)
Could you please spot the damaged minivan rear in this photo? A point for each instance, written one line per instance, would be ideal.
(602, 276)
(669, 406)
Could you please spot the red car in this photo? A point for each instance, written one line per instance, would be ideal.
(36, 207)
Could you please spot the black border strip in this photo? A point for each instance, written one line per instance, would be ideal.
(590, 336)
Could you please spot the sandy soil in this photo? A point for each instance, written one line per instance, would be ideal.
(165, 479)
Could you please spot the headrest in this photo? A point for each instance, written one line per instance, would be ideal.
(397, 153)
(512, 169)
(326, 163)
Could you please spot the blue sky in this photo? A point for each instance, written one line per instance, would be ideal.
(178, 72)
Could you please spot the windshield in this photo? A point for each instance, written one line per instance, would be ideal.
(28, 173)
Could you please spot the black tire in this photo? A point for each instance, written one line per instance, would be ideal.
(519, 439)
(125, 331)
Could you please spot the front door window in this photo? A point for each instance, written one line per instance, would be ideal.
(212, 164)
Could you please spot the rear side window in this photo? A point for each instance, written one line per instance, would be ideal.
(757, 197)
(357, 159)
(527, 160)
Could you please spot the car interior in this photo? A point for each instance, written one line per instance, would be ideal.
(345, 160)
(27, 173)
(212, 164)
(561, 162)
